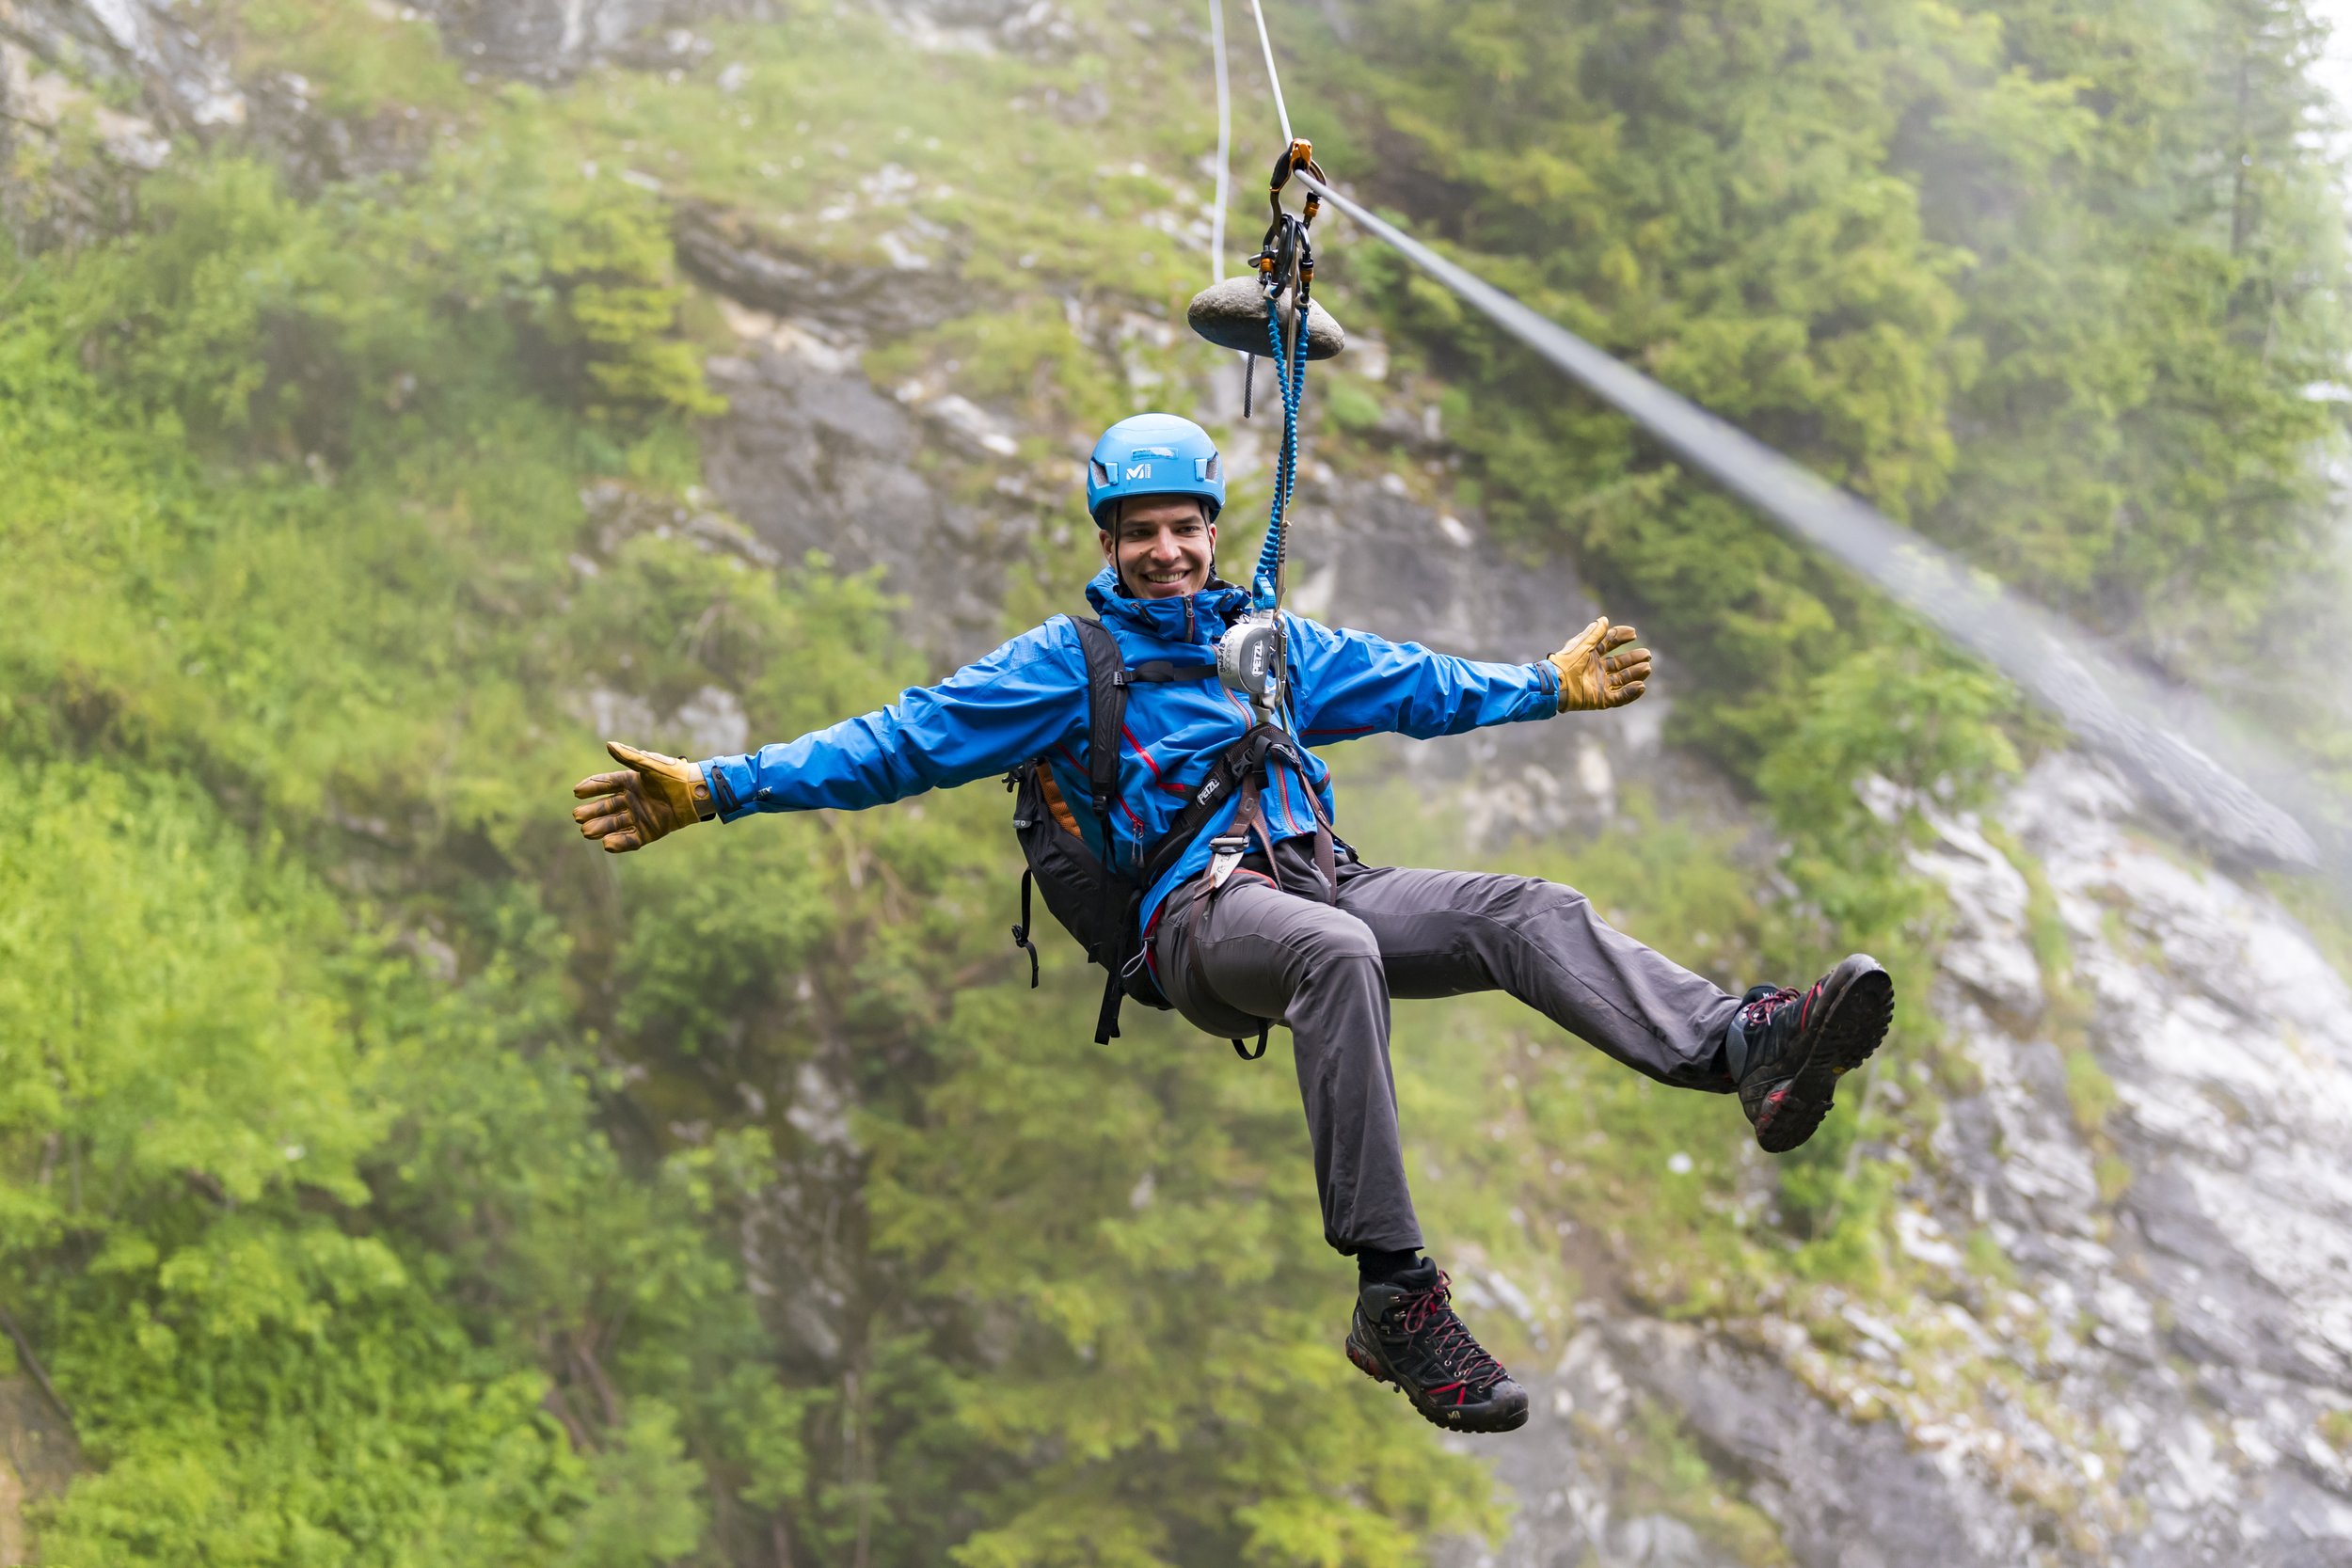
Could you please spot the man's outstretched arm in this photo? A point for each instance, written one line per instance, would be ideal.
(987, 717)
(1351, 683)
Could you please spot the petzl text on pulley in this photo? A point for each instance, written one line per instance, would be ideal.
(1231, 314)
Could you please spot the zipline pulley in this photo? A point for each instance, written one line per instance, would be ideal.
(1286, 257)
(1271, 311)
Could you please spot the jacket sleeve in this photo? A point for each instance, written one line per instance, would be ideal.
(1351, 683)
(987, 717)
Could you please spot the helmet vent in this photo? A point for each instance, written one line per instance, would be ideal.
(1208, 468)
(1102, 474)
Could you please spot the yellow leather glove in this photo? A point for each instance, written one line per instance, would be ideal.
(1595, 674)
(651, 797)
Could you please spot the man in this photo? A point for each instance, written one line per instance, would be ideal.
(1301, 931)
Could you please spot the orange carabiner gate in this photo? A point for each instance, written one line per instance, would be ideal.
(1286, 244)
(1298, 155)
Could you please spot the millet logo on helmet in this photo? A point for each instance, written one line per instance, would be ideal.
(1153, 454)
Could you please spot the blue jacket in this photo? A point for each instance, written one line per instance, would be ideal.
(1028, 699)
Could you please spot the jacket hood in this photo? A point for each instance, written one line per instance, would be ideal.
(1200, 617)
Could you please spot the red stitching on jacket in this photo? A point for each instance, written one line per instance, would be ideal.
(1157, 777)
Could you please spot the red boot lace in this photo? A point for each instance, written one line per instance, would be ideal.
(1759, 1012)
(1452, 1344)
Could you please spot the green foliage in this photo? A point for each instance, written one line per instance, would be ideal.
(390, 1178)
(1708, 197)
(357, 60)
(417, 1196)
(1171, 1192)
(327, 1244)
(2052, 281)
(615, 279)
(2089, 1092)
(2159, 262)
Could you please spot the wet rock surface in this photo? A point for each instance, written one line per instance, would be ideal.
(550, 39)
(813, 458)
(2163, 1380)
(731, 253)
(183, 83)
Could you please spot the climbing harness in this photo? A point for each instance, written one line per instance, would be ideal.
(1093, 898)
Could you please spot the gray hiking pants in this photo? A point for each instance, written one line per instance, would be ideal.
(1253, 952)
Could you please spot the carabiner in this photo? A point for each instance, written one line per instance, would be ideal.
(1286, 251)
(1298, 155)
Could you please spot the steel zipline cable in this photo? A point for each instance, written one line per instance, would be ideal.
(1224, 143)
(2121, 713)
(1273, 77)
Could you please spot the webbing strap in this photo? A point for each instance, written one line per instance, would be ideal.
(1244, 757)
(1107, 1020)
(1106, 711)
(1021, 932)
(1243, 763)
(1106, 688)
(1250, 821)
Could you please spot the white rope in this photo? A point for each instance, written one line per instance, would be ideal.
(2118, 712)
(1224, 145)
(1272, 76)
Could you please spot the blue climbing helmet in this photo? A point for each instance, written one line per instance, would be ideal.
(1155, 454)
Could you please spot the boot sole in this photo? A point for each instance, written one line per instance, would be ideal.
(1484, 1416)
(1856, 1005)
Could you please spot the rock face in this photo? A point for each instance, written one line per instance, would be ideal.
(2215, 1308)
(1366, 554)
(550, 40)
(2157, 1145)
(813, 456)
(184, 84)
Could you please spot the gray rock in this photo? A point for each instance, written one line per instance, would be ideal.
(727, 251)
(550, 40)
(1233, 315)
(1852, 1495)
(183, 84)
(812, 457)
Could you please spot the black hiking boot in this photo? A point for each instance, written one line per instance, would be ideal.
(1406, 1333)
(1787, 1048)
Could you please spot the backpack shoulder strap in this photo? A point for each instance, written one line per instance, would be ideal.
(1107, 701)
(1107, 719)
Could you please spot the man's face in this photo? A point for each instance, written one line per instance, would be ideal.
(1161, 546)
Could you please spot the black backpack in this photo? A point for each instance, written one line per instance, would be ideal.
(1098, 904)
